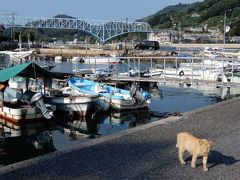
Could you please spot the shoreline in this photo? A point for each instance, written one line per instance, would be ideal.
(153, 144)
(228, 46)
(112, 51)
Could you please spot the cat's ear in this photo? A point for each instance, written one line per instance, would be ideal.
(210, 142)
(201, 142)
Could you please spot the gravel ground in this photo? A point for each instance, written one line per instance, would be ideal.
(146, 152)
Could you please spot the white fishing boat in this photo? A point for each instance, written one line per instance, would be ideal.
(102, 60)
(30, 106)
(211, 54)
(230, 54)
(119, 99)
(66, 100)
(76, 59)
(187, 71)
(207, 74)
(15, 55)
(17, 112)
(156, 71)
(58, 59)
(101, 72)
(71, 102)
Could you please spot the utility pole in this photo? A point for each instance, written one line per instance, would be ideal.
(224, 28)
(125, 43)
(12, 22)
(29, 41)
(20, 42)
(12, 15)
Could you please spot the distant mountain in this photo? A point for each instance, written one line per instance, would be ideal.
(50, 35)
(64, 16)
(209, 12)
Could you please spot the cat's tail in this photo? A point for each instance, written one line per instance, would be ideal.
(177, 141)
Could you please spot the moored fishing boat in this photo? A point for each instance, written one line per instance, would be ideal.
(58, 59)
(18, 112)
(30, 106)
(188, 71)
(102, 60)
(15, 55)
(119, 99)
(69, 101)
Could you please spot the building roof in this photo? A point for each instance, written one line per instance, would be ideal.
(30, 70)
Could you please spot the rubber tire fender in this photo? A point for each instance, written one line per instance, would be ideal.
(181, 73)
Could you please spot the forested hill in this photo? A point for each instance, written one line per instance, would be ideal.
(209, 12)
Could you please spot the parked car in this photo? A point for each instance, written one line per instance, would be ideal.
(148, 45)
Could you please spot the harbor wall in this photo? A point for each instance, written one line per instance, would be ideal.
(69, 53)
(228, 46)
(129, 51)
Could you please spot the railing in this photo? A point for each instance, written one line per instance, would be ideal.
(223, 71)
(191, 69)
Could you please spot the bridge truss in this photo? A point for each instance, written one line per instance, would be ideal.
(102, 30)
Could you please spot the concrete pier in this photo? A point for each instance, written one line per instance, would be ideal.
(110, 49)
(146, 152)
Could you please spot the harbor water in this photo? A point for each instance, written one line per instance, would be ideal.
(18, 143)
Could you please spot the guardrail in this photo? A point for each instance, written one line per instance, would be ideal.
(224, 71)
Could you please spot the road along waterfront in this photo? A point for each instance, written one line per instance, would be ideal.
(146, 152)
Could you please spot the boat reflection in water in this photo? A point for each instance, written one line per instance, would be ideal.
(25, 141)
(19, 142)
(113, 121)
(103, 123)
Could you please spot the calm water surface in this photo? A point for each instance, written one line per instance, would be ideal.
(35, 139)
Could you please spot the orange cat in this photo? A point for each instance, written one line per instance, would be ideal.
(197, 147)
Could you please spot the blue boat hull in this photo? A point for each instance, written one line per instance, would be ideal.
(119, 99)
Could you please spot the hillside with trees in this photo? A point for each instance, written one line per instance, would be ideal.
(208, 13)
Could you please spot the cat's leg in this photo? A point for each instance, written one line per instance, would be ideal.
(181, 151)
(194, 158)
(205, 158)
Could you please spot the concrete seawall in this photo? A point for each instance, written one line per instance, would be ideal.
(69, 53)
(111, 50)
(229, 46)
(146, 152)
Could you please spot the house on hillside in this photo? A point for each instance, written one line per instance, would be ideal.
(160, 36)
(190, 38)
(216, 37)
(196, 29)
(203, 39)
(235, 39)
(195, 15)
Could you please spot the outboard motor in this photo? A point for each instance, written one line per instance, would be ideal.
(135, 93)
(36, 99)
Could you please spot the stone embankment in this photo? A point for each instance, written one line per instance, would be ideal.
(68, 53)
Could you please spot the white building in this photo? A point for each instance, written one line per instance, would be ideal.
(160, 36)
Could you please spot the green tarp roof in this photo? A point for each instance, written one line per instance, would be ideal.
(30, 70)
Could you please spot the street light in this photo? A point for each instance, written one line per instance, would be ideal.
(224, 31)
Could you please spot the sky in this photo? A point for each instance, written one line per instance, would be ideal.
(113, 10)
